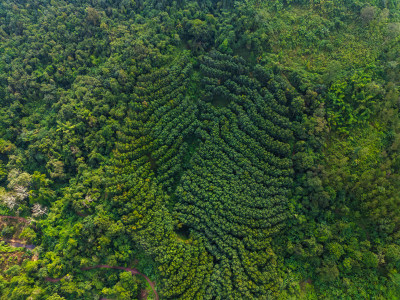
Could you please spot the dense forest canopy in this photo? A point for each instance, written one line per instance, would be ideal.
(199, 149)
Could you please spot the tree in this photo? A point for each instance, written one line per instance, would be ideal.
(93, 16)
(38, 210)
(367, 14)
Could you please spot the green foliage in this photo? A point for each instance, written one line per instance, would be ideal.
(5, 248)
(13, 271)
(7, 231)
(28, 234)
(246, 150)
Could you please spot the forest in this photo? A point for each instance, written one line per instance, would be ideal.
(199, 149)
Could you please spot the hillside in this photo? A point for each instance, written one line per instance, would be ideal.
(199, 149)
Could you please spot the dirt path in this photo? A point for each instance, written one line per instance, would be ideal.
(13, 241)
(18, 243)
(52, 279)
(16, 218)
(133, 272)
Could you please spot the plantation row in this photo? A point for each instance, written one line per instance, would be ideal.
(227, 174)
(233, 195)
(224, 150)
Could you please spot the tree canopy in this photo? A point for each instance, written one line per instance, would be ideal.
(199, 149)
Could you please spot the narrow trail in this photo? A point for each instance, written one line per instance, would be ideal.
(52, 279)
(133, 272)
(17, 243)
(16, 218)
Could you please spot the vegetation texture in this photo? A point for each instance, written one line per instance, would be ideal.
(199, 149)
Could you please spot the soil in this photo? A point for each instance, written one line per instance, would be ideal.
(133, 272)
(20, 243)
